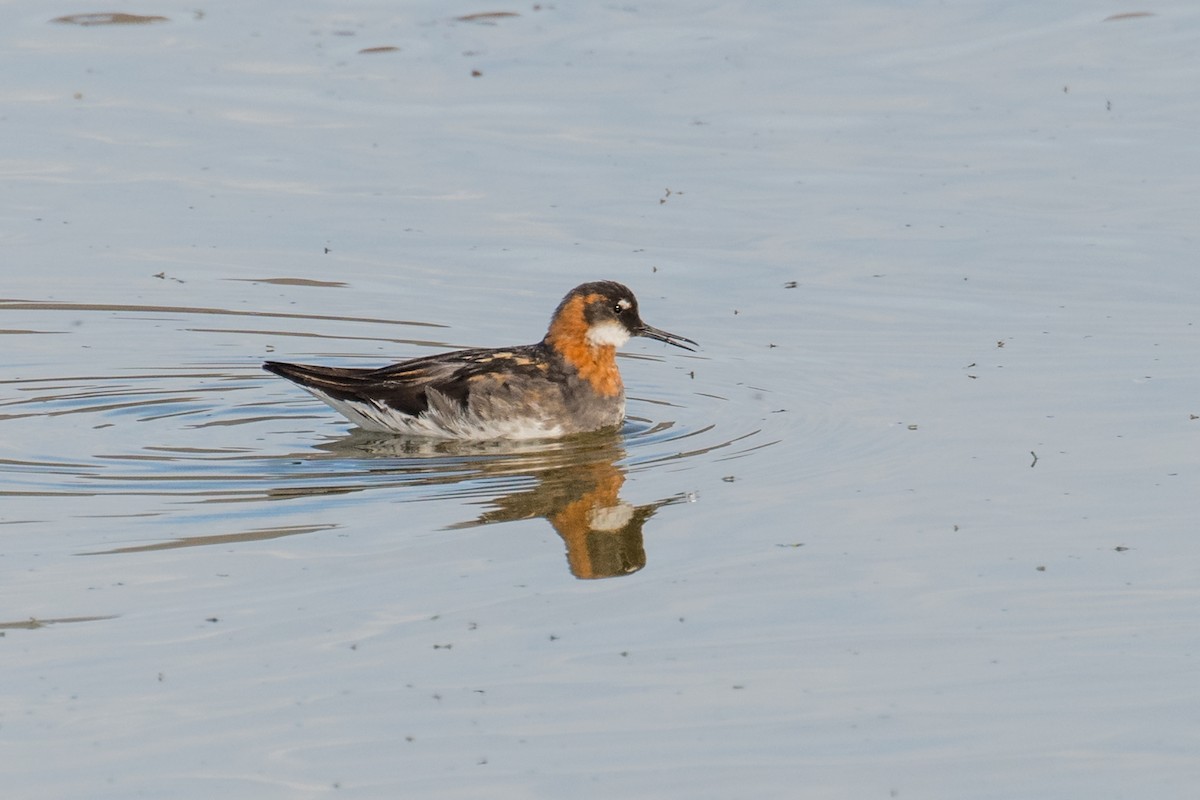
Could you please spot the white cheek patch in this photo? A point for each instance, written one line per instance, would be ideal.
(607, 334)
(613, 518)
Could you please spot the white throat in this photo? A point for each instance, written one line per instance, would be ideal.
(607, 334)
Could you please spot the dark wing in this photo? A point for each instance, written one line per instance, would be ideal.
(405, 386)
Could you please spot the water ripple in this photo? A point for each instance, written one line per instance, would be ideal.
(210, 436)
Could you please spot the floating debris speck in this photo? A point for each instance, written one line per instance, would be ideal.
(88, 20)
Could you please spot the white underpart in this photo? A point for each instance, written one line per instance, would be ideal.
(607, 333)
(443, 420)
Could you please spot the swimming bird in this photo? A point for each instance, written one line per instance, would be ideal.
(567, 383)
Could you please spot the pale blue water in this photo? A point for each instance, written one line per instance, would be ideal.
(917, 521)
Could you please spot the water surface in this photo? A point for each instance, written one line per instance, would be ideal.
(916, 521)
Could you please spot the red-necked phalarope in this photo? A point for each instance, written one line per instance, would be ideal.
(567, 383)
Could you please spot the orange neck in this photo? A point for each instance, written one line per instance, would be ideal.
(574, 521)
(596, 364)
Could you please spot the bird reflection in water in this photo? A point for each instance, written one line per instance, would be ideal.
(577, 490)
(603, 534)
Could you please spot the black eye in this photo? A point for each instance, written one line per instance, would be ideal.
(620, 309)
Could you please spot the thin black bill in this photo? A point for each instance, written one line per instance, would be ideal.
(651, 332)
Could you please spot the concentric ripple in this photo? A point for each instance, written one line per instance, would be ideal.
(222, 433)
(152, 442)
(227, 437)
